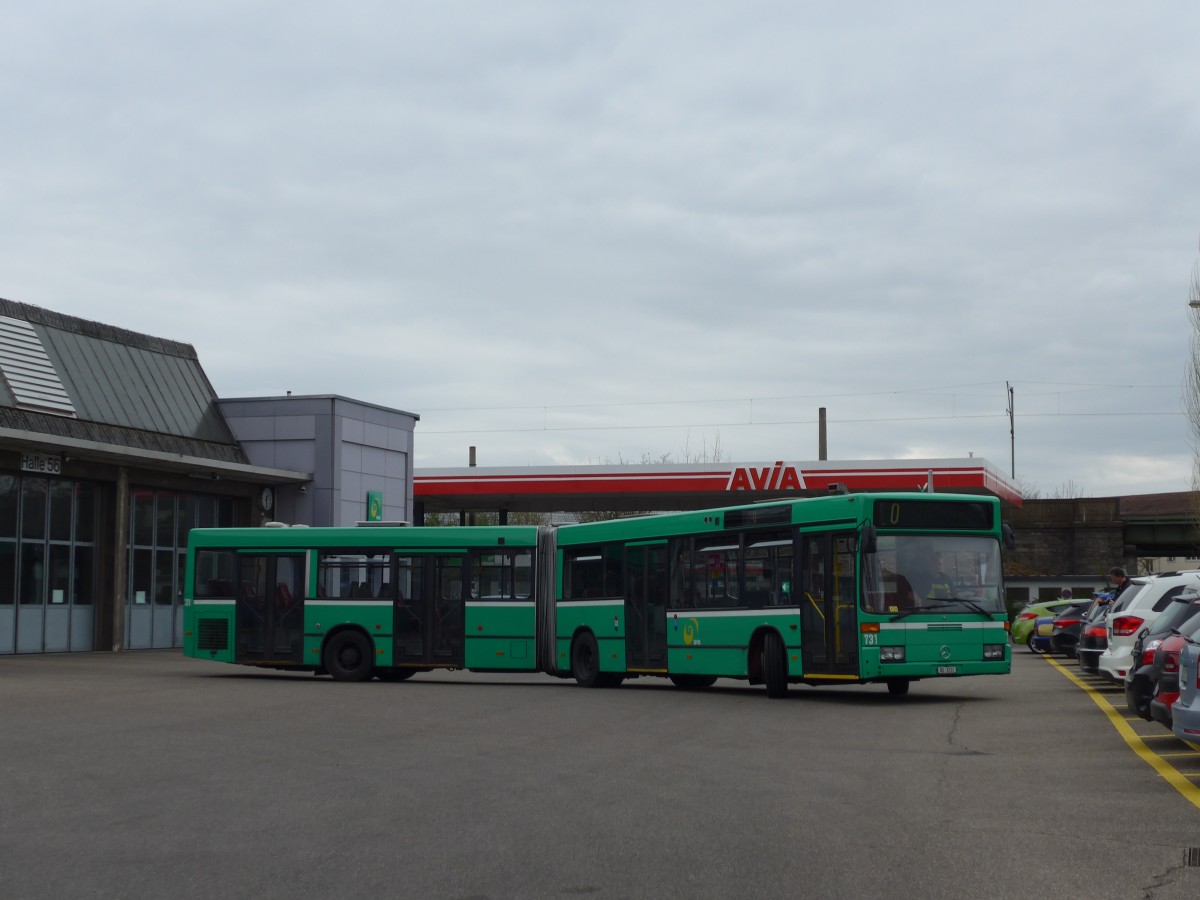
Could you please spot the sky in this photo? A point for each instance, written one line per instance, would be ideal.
(575, 233)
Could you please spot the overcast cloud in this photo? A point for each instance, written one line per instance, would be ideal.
(569, 233)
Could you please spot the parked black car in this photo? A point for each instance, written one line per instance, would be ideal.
(1142, 680)
(1093, 635)
(1065, 635)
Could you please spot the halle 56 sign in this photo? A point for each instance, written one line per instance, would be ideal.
(41, 463)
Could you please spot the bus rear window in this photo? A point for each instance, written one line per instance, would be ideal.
(214, 574)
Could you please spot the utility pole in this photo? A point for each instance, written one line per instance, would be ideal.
(1012, 434)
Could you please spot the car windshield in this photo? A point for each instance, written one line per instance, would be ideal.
(1129, 593)
(1073, 610)
(934, 573)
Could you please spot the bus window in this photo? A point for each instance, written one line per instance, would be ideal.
(593, 572)
(682, 591)
(716, 569)
(503, 576)
(768, 571)
(347, 576)
(215, 574)
(583, 577)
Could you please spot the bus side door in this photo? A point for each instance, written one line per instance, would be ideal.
(829, 614)
(646, 595)
(269, 608)
(429, 611)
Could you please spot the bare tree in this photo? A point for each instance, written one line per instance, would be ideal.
(1191, 391)
(1191, 388)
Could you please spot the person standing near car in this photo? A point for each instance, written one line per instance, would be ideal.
(1117, 576)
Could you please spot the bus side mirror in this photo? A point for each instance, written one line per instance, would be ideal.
(1010, 539)
(868, 539)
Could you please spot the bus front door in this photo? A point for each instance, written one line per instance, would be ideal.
(270, 614)
(430, 601)
(646, 587)
(828, 614)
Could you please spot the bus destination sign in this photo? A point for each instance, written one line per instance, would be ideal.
(939, 514)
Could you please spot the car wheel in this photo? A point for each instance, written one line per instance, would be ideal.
(1032, 645)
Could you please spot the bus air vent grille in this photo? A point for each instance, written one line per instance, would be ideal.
(212, 634)
(945, 626)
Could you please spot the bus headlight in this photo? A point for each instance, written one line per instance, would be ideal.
(891, 654)
(993, 651)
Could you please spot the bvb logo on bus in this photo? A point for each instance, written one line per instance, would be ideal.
(691, 626)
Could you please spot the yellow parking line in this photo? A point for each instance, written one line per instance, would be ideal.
(1172, 775)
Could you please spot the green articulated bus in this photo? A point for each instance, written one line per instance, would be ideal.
(839, 589)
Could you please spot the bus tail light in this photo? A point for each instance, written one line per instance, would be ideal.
(993, 651)
(891, 654)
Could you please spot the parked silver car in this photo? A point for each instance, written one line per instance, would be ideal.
(1185, 716)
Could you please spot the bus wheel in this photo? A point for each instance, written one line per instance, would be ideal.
(693, 682)
(395, 674)
(348, 656)
(898, 687)
(585, 661)
(774, 665)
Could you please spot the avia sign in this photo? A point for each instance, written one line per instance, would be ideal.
(769, 478)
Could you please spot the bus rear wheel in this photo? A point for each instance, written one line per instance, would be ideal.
(347, 656)
(693, 682)
(585, 661)
(774, 665)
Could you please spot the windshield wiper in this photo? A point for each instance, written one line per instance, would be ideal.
(940, 603)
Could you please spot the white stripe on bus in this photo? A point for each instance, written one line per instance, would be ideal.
(725, 613)
(349, 601)
(939, 626)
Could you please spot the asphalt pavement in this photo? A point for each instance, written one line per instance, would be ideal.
(149, 775)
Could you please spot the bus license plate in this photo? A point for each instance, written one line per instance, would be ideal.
(947, 670)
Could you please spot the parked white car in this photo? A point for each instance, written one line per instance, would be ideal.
(1137, 607)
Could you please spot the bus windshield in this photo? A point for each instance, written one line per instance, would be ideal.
(933, 573)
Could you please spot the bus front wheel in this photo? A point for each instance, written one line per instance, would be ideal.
(347, 656)
(898, 687)
(774, 665)
(585, 661)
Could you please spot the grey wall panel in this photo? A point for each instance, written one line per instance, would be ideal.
(298, 456)
(374, 461)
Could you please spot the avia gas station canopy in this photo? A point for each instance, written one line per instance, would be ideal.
(693, 486)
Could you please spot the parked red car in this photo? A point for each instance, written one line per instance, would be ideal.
(1166, 665)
